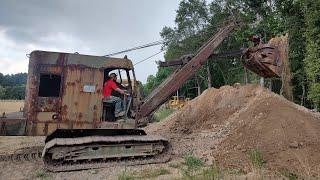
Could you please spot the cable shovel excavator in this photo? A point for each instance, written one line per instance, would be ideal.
(64, 103)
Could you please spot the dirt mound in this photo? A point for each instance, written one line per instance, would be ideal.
(226, 124)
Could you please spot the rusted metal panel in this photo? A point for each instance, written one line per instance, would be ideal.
(51, 127)
(48, 104)
(40, 128)
(12, 127)
(78, 105)
(45, 116)
(70, 59)
(49, 68)
(186, 58)
(263, 60)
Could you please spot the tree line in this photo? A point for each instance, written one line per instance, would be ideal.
(196, 21)
(13, 86)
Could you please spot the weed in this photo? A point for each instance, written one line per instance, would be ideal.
(191, 166)
(256, 158)
(174, 165)
(212, 173)
(289, 175)
(235, 171)
(193, 162)
(93, 171)
(42, 174)
(162, 114)
(153, 173)
(124, 175)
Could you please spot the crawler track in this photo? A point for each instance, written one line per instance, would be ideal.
(92, 163)
(27, 154)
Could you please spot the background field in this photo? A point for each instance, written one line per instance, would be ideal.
(11, 105)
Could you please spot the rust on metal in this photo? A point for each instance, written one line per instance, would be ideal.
(73, 108)
(186, 58)
(262, 59)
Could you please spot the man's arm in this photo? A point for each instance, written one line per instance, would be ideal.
(122, 91)
(116, 88)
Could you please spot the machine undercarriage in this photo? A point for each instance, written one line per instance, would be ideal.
(104, 148)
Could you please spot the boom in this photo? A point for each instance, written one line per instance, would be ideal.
(183, 73)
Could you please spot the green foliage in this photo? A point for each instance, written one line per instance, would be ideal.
(13, 86)
(191, 167)
(162, 113)
(256, 158)
(124, 175)
(174, 165)
(2, 92)
(193, 162)
(211, 173)
(314, 94)
(289, 175)
(14, 92)
(196, 21)
(42, 174)
(312, 57)
(152, 173)
(148, 87)
(145, 174)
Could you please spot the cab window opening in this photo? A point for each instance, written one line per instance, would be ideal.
(50, 85)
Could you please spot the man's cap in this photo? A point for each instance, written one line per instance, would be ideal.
(113, 75)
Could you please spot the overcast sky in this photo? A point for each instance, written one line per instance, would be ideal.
(94, 27)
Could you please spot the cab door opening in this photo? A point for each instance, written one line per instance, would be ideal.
(109, 106)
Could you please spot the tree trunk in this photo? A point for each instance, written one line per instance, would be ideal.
(209, 76)
(303, 95)
(198, 85)
(246, 80)
(270, 85)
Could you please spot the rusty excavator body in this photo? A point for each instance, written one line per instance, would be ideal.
(64, 103)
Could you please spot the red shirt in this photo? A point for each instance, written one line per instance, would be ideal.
(109, 86)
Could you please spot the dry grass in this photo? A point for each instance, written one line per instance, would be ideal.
(11, 105)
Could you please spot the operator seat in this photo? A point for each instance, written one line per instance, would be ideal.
(108, 111)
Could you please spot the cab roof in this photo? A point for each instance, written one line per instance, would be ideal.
(70, 59)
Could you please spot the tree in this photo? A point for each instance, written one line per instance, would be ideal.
(2, 92)
(196, 21)
(149, 86)
(13, 86)
(312, 58)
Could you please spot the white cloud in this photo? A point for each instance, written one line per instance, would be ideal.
(89, 28)
(13, 57)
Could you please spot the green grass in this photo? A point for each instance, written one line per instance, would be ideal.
(162, 113)
(124, 175)
(175, 165)
(211, 173)
(42, 174)
(193, 162)
(289, 175)
(256, 158)
(145, 174)
(191, 167)
(152, 173)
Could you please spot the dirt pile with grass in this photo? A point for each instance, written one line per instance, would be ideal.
(227, 124)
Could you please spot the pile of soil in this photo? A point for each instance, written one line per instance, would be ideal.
(225, 124)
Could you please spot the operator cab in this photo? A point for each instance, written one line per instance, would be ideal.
(124, 82)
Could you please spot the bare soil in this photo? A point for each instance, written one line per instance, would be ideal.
(225, 124)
